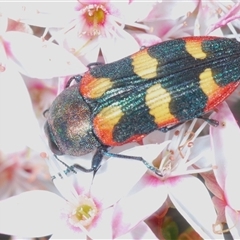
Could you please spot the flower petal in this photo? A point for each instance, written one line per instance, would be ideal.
(117, 176)
(220, 207)
(18, 124)
(3, 23)
(102, 228)
(226, 152)
(145, 198)
(141, 231)
(47, 60)
(118, 47)
(129, 13)
(50, 14)
(65, 232)
(171, 9)
(212, 185)
(30, 214)
(145, 39)
(82, 47)
(232, 14)
(232, 193)
(202, 145)
(190, 197)
(207, 16)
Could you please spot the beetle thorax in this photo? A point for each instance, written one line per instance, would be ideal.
(69, 126)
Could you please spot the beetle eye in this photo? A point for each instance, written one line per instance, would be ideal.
(54, 148)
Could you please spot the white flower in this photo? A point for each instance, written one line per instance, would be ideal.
(87, 206)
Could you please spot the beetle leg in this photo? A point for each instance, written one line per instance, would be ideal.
(96, 162)
(76, 78)
(168, 128)
(94, 64)
(45, 112)
(147, 164)
(210, 121)
(69, 168)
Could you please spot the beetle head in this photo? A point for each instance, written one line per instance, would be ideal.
(68, 126)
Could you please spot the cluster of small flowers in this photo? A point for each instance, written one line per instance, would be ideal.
(42, 44)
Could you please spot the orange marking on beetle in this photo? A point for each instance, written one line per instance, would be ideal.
(105, 121)
(220, 95)
(216, 94)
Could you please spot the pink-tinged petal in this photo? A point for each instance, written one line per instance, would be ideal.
(18, 26)
(212, 185)
(225, 143)
(47, 60)
(168, 29)
(232, 14)
(102, 227)
(171, 9)
(141, 231)
(30, 214)
(206, 16)
(3, 56)
(220, 208)
(50, 14)
(117, 176)
(233, 221)
(118, 47)
(18, 124)
(145, 198)
(186, 193)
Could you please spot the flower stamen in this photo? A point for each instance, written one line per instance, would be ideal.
(82, 213)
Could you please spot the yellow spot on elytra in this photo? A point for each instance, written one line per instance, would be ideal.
(144, 65)
(110, 116)
(158, 99)
(194, 48)
(207, 83)
(99, 86)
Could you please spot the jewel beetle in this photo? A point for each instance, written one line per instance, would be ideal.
(159, 87)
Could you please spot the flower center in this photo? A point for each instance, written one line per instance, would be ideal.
(82, 213)
(95, 18)
(95, 15)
